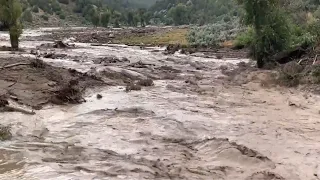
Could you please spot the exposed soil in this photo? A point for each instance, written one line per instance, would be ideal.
(35, 83)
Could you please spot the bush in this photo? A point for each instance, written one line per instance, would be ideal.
(63, 1)
(105, 18)
(45, 17)
(35, 9)
(244, 39)
(213, 34)
(62, 16)
(27, 16)
(55, 6)
(290, 74)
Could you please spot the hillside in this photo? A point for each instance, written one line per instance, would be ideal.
(194, 11)
(82, 12)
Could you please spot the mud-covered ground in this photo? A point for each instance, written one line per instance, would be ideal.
(197, 119)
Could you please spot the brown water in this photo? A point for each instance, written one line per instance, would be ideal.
(174, 130)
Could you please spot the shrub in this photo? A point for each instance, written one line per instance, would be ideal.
(62, 16)
(105, 18)
(244, 39)
(35, 9)
(27, 16)
(63, 1)
(45, 17)
(290, 74)
(55, 6)
(213, 34)
(272, 32)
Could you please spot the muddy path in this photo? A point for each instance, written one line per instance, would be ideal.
(193, 123)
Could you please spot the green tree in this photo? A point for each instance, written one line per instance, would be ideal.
(116, 16)
(271, 28)
(105, 18)
(27, 15)
(10, 12)
(136, 19)
(130, 18)
(95, 18)
(179, 14)
(141, 13)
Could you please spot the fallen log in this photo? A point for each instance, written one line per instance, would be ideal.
(290, 55)
(13, 65)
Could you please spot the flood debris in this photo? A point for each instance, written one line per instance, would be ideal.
(37, 63)
(5, 133)
(172, 48)
(133, 87)
(69, 93)
(141, 64)
(99, 96)
(110, 60)
(3, 102)
(145, 82)
(58, 44)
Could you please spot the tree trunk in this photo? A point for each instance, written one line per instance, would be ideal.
(14, 39)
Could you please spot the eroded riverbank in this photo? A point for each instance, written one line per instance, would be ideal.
(194, 123)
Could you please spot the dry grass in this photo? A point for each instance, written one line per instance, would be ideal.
(175, 36)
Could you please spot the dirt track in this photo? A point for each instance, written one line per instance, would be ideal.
(194, 123)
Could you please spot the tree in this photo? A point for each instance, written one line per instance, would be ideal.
(270, 26)
(10, 12)
(116, 19)
(179, 14)
(141, 13)
(130, 18)
(95, 18)
(136, 19)
(105, 18)
(27, 16)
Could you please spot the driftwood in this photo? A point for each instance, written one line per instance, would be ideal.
(14, 65)
(287, 56)
(315, 60)
(15, 109)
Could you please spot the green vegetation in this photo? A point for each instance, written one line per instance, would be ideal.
(10, 12)
(271, 28)
(27, 15)
(213, 34)
(176, 36)
(5, 133)
(193, 11)
(45, 17)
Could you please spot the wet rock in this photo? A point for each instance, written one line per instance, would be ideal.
(99, 96)
(53, 55)
(133, 87)
(110, 60)
(172, 48)
(145, 82)
(219, 56)
(141, 64)
(191, 81)
(37, 63)
(264, 175)
(169, 69)
(68, 93)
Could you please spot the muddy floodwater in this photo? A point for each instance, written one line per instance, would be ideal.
(194, 123)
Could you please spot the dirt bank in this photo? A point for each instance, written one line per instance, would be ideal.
(34, 83)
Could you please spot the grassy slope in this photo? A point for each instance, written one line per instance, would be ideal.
(174, 36)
